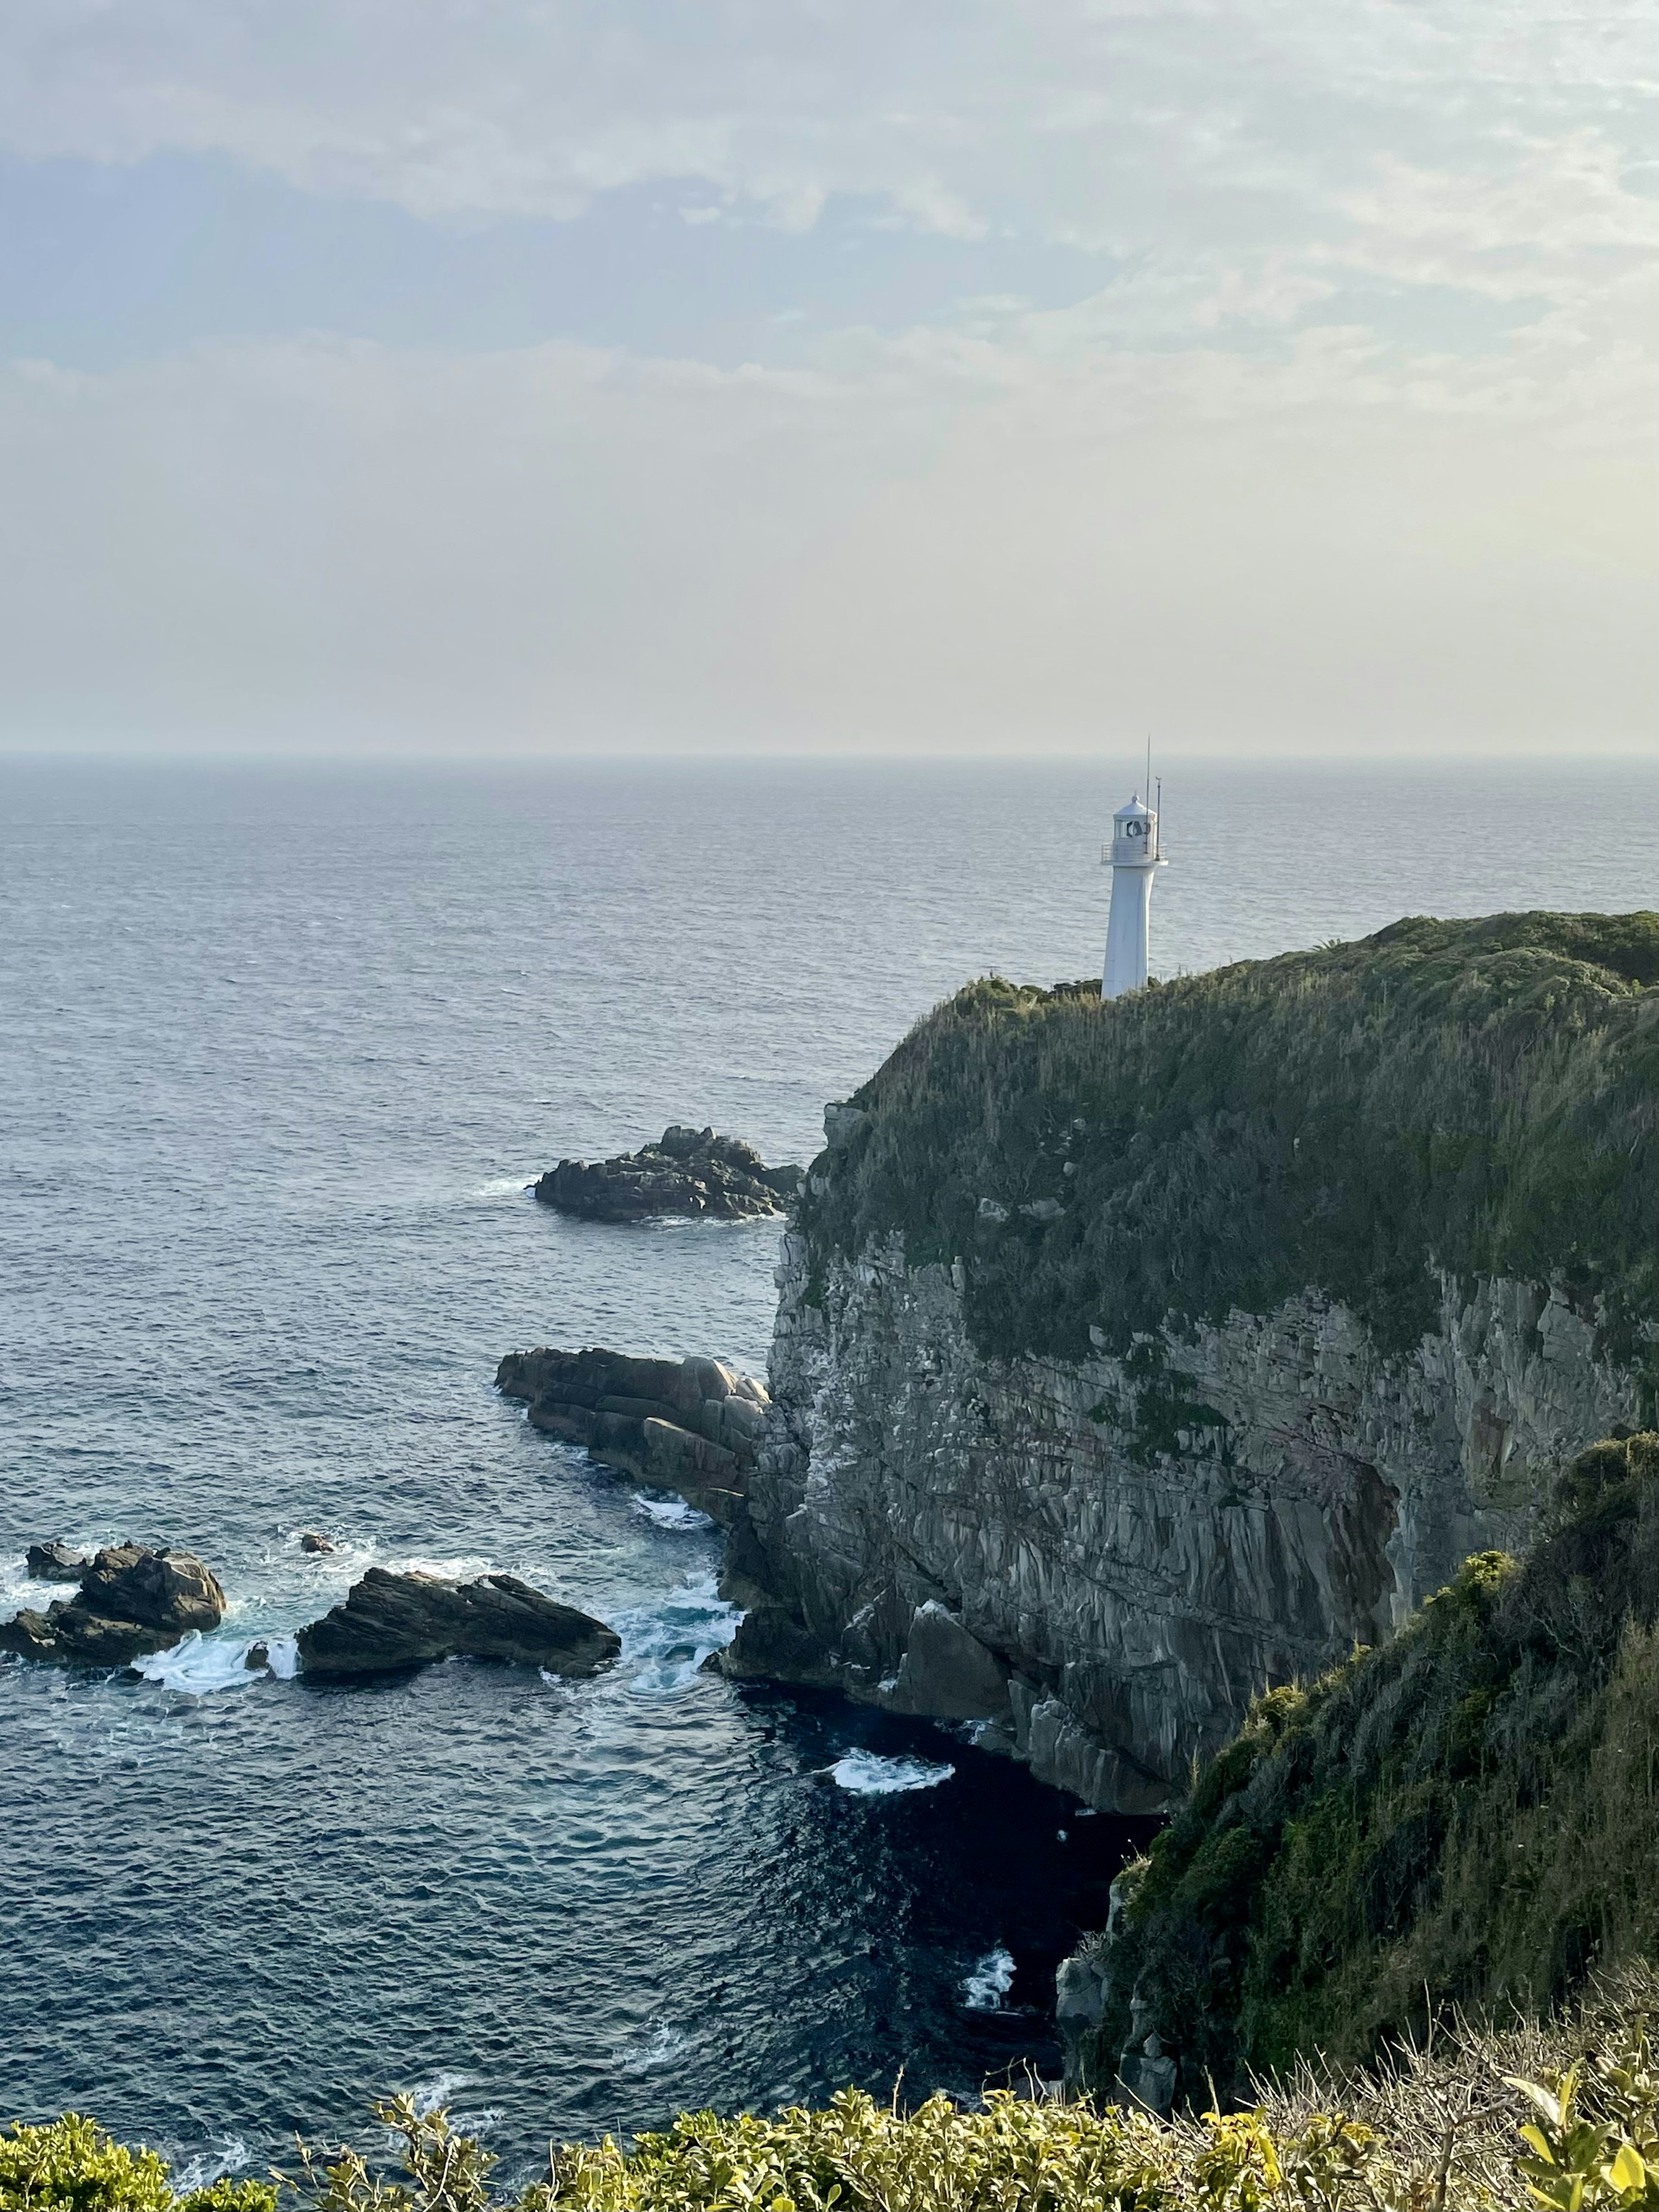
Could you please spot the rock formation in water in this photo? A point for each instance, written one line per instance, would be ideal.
(392, 1621)
(54, 1562)
(690, 1425)
(1131, 1358)
(132, 1600)
(688, 1171)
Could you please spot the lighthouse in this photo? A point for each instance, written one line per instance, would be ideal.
(1132, 857)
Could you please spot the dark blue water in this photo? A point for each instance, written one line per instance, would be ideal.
(280, 1051)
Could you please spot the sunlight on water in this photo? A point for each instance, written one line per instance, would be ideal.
(284, 1049)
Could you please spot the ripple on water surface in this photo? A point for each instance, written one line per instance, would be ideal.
(283, 1052)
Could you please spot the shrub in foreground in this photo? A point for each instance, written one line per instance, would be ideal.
(1560, 2115)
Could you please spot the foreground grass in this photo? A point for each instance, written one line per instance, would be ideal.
(1561, 2115)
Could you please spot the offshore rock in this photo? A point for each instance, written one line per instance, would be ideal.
(132, 1600)
(54, 1562)
(1133, 1356)
(392, 1621)
(690, 1425)
(688, 1171)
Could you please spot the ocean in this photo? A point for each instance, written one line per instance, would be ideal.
(283, 1049)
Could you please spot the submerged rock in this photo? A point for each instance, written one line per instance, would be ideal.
(132, 1600)
(390, 1621)
(311, 1541)
(55, 1563)
(688, 1171)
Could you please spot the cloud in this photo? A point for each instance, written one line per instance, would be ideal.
(1107, 123)
(939, 544)
(1337, 434)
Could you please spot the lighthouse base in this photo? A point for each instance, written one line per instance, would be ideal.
(1128, 930)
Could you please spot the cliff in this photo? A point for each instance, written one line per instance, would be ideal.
(1132, 1357)
(1471, 1810)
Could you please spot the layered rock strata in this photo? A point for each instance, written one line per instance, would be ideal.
(1104, 1560)
(686, 1171)
(392, 1621)
(1031, 1545)
(132, 1600)
(693, 1426)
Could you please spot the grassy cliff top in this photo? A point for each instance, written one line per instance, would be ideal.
(1474, 1096)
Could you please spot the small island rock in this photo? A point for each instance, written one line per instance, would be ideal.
(688, 1171)
(690, 1425)
(54, 1562)
(311, 1541)
(390, 1621)
(132, 1600)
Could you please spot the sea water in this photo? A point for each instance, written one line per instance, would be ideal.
(282, 1051)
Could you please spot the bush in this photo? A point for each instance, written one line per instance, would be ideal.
(1560, 2115)
(72, 2166)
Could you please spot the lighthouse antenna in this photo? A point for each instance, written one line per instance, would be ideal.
(1157, 825)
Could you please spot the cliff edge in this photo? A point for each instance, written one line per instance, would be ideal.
(1134, 1357)
(1465, 1817)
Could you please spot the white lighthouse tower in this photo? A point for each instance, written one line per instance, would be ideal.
(1133, 855)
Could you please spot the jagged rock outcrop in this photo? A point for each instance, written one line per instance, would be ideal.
(54, 1562)
(392, 1621)
(688, 1426)
(1132, 1357)
(686, 1171)
(132, 1600)
(940, 1533)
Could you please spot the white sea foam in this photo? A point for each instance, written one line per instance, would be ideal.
(230, 2155)
(665, 1643)
(198, 1665)
(670, 1512)
(664, 2045)
(483, 2122)
(872, 1776)
(989, 1982)
(440, 2091)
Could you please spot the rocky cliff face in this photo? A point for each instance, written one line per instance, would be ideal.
(1104, 1560)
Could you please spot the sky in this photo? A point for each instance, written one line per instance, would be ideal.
(865, 376)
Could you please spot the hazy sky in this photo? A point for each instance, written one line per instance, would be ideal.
(528, 374)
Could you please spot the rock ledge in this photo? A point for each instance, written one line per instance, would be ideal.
(132, 1600)
(390, 1621)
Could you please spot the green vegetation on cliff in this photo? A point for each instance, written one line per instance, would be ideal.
(1474, 1096)
(1559, 2116)
(1468, 1815)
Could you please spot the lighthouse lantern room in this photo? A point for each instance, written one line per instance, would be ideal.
(1132, 856)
